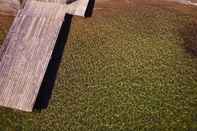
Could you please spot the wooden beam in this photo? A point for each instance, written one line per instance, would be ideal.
(27, 49)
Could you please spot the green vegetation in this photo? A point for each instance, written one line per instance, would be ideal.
(2, 36)
(131, 70)
(5, 23)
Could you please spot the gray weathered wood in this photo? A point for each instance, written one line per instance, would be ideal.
(27, 49)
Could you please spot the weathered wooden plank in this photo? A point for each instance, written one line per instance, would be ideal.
(26, 52)
(25, 58)
(73, 7)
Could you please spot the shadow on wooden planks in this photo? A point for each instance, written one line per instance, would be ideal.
(90, 8)
(48, 82)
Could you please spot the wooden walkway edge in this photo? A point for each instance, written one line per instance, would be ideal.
(27, 49)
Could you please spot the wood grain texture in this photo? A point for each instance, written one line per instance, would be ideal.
(26, 52)
(73, 7)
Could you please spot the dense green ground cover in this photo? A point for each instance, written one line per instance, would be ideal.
(5, 22)
(132, 69)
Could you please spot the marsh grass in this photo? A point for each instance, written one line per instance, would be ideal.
(121, 72)
(5, 22)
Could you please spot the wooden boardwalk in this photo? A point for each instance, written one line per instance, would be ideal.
(27, 49)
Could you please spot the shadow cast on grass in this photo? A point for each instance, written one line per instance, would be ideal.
(189, 35)
(48, 82)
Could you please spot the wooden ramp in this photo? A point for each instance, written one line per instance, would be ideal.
(27, 49)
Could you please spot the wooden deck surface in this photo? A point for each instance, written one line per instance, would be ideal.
(27, 49)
